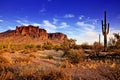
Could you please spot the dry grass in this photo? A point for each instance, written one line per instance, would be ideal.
(27, 64)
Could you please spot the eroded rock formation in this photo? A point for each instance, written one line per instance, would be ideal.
(57, 36)
(31, 34)
(32, 31)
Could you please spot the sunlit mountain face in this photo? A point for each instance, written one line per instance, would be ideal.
(79, 19)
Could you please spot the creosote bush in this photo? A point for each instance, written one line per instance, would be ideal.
(74, 56)
(53, 75)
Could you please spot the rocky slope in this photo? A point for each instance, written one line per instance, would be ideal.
(31, 34)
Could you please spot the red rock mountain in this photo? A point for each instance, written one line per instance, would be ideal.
(31, 34)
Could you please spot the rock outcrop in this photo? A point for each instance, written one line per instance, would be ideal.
(31, 34)
(57, 36)
(32, 31)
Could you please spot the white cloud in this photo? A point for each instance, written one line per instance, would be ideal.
(26, 23)
(11, 28)
(87, 31)
(55, 21)
(85, 26)
(81, 17)
(69, 16)
(1, 20)
(22, 23)
(64, 25)
(48, 24)
(18, 21)
(36, 24)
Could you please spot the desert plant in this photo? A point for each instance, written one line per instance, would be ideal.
(97, 47)
(49, 57)
(110, 73)
(47, 45)
(105, 31)
(74, 56)
(53, 75)
(65, 45)
(39, 46)
(117, 37)
(86, 46)
(68, 44)
(2, 46)
(111, 43)
(57, 47)
(29, 46)
(72, 43)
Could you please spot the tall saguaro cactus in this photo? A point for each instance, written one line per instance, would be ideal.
(105, 31)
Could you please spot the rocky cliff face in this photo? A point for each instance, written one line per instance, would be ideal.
(32, 31)
(57, 36)
(31, 34)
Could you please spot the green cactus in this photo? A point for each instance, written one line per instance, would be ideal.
(105, 31)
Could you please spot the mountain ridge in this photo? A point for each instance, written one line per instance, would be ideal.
(31, 34)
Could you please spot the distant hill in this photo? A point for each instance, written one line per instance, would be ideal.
(30, 34)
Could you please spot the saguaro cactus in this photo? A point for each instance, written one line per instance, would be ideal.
(99, 39)
(105, 31)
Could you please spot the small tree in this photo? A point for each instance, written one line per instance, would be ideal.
(67, 45)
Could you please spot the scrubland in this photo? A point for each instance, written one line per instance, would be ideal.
(36, 62)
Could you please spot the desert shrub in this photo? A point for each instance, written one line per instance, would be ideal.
(110, 73)
(53, 75)
(74, 56)
(5, 72)
(86, 46)
(49, 57)
(2, 46)
(77, 47)
(57, 47)
(40, 75)
(47, 45)
(97, 46)
(66, 64)
(38, 46)
(22, 60)
(29, 46)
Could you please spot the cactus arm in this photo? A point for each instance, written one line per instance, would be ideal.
(108, 28)
(103, 31)
(102, 22)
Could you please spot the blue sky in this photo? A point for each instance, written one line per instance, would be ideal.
(79, 19)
